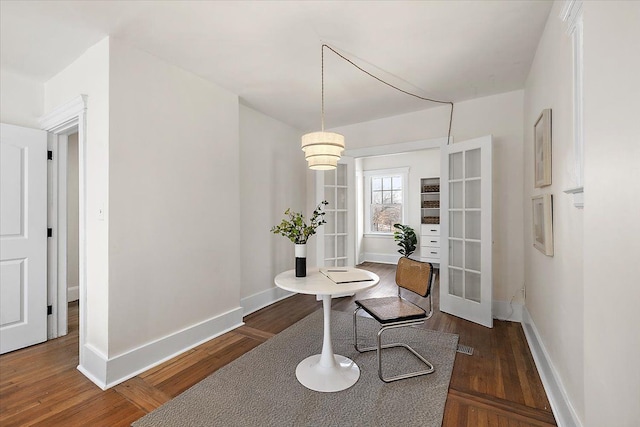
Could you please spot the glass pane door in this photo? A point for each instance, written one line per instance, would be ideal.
(335, 191)
(466, 278)
(465, 232)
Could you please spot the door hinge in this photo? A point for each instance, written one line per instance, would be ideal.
(49, 310)
(49, 232)
(49, 155)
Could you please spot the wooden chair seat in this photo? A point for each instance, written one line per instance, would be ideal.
(391, 309)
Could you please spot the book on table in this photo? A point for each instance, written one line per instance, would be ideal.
(345, 275)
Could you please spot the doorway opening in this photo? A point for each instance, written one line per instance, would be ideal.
(389, 192)
(381, 248)
(66, 127)
(73, 218)
(63, 218)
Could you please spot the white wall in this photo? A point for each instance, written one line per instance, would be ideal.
(611, 213)
(72, 218)
(163, 163)
(500, 115)
(584, 299)
(422, 164)
(272, 179)
(174, 247)
(21, 100)
(89, 75)
(555, 284)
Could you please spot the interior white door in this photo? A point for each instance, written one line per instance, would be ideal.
(23, 237)
(466, 278)
(336, 239)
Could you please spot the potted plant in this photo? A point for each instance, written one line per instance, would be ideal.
(406, 238)
(295, 228)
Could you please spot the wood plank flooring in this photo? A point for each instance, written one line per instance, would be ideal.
(40, 385)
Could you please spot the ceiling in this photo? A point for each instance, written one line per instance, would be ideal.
(269, 52)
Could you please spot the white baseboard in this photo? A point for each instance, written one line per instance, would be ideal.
(561, 406)
(73, 293)
(262, 299)
(106, 373)
(381, 258)
(503, 310)
(93, 365)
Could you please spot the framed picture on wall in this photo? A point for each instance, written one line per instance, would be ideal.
(543, 223)
(542, 149)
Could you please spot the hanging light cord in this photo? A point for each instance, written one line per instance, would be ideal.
(322, 109)
(384, 82)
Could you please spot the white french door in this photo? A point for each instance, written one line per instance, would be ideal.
(23, 237)
(336, 239)
(466, 278)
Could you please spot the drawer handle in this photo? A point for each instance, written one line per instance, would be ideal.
(434, 241)
(434, 252)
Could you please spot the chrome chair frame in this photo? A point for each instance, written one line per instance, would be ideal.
(388, 326)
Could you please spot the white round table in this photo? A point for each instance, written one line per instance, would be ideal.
(325, 372)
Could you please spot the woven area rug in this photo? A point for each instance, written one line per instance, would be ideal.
(260, 388)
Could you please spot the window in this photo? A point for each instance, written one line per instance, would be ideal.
(385, 192)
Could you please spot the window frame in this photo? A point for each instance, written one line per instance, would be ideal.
(380, 173)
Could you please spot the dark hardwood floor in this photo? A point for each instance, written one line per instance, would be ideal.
(497, 386)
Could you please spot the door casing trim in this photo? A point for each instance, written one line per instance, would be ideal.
(59, 123)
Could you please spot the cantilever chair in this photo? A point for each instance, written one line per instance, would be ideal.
(396, 312)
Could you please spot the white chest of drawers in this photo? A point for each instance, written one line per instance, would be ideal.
(430, 243)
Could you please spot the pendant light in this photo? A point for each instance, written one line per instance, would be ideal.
(322, 150)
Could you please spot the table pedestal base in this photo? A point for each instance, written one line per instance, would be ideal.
(314, 376)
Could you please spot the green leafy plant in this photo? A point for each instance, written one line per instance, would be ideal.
(406, 238)
(296, 229)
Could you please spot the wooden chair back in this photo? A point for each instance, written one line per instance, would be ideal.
(415, 276)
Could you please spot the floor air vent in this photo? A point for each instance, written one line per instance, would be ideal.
(465, 349)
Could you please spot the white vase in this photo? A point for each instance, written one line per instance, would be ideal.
(301, 260)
